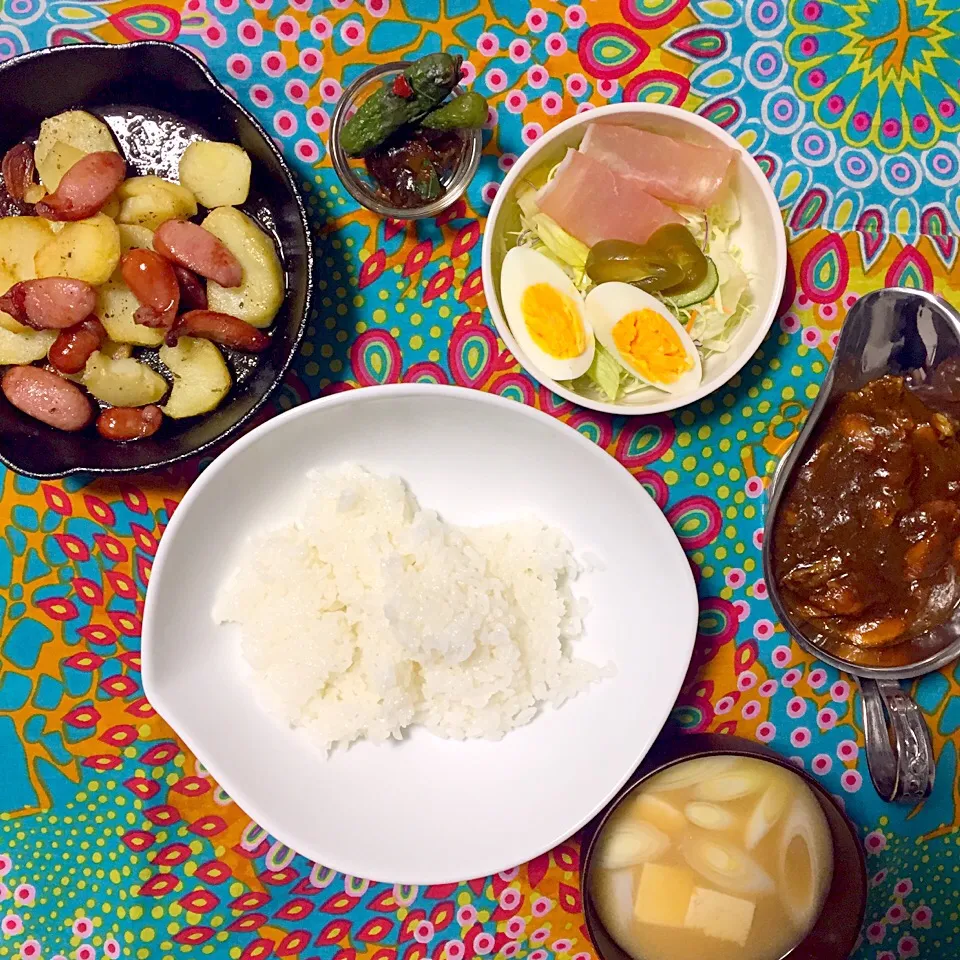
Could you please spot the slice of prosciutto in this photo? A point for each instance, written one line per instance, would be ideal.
(671, 170)
(594, 203)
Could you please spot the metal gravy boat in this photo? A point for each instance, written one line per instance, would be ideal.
(906, 333)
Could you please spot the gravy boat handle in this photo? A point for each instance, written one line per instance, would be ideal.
(903, 770)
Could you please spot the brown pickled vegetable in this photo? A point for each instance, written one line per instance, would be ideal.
(867, 540)
(409, 138)
(410, 168)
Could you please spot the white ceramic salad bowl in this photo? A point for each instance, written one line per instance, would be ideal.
(759, 235)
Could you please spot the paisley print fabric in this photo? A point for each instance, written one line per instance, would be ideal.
(114, 841)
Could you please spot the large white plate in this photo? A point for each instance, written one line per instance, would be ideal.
(425, 810)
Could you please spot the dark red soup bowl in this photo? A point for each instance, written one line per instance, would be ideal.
(835, 933)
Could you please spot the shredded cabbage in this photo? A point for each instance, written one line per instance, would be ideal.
(713, 323)
(698, 223)
(725, 213)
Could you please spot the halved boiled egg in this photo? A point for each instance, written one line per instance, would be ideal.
(644, 336)
(546, 314)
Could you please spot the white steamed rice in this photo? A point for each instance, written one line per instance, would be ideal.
(369, 614)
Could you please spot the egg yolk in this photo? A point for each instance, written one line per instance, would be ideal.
(651, 346)
(553, 321)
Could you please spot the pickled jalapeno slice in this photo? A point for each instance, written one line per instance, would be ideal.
(676, 243)
(632, 263)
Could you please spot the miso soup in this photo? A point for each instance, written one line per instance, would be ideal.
(719, 858)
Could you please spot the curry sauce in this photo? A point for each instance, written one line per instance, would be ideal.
(867, 540)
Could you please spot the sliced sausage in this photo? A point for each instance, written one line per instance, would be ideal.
(53, 303)
(84, 188)
(154, 284)
(193, 294)
(198, 250)
(18, 169)
(129, 423)
(47, 397)
(71, 350)
(221, 328)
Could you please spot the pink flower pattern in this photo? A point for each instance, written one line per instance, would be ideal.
(908, 946)
(875, 842)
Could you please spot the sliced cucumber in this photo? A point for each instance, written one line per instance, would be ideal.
(699, 293)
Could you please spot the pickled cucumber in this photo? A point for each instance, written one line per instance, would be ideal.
(428, 81)
(467, 111)
(699, 293)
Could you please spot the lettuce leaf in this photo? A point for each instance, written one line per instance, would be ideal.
(607, 375)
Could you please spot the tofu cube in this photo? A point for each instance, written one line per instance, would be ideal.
(720, 915)
(663, 895)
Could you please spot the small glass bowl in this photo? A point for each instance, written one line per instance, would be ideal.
(354, 176)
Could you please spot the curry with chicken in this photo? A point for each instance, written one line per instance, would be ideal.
(867, 541)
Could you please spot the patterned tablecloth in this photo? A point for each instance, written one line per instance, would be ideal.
(113, 839)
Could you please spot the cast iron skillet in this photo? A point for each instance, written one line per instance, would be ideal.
(156, 96)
